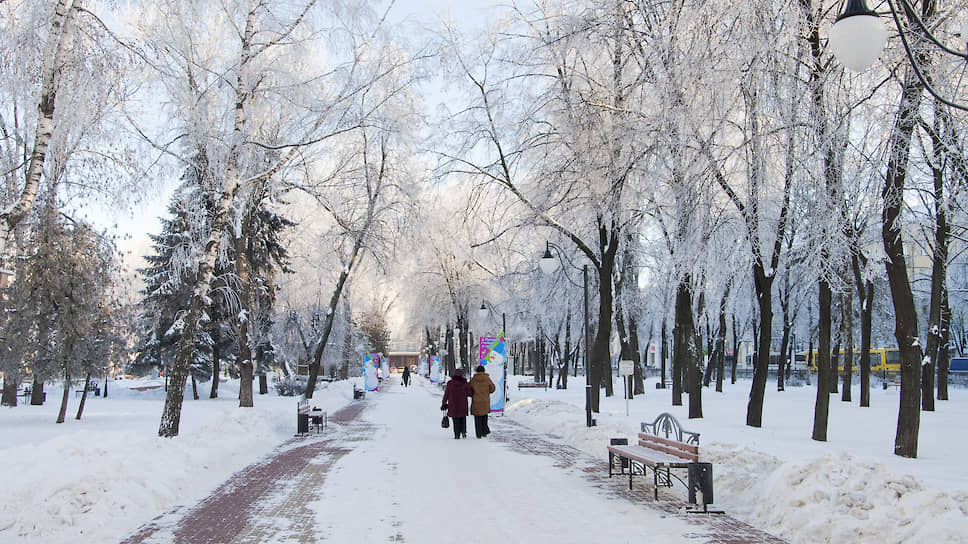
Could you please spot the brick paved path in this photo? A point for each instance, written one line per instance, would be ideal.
(265, 500)
(274, 499)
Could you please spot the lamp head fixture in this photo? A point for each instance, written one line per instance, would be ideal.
(858, 36)
(547, 262)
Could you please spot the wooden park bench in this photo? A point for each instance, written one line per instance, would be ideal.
(532, 385)
(663, 446)
(27, 392)
(92, 387)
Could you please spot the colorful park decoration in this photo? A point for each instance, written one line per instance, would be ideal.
(493, 356)
(371, 362)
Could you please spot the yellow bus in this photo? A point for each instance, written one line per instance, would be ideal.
(882, 360)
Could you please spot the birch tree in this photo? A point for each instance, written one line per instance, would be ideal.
(244, 78)
(63, 84)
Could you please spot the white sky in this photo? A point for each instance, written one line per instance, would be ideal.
(134, 223)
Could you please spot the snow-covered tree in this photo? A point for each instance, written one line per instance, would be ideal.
(62, 320)
(63, 82)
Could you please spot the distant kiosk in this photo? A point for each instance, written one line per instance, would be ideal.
(402, 354)
(401, 359)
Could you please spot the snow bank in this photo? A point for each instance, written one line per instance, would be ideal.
(100, 478)
(835, 498)
(851, 489)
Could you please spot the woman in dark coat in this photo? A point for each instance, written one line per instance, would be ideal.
(481, 388)
(455, 402)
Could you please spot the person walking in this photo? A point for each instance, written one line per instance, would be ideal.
(455, 402)
(481, 388)
(406, 376)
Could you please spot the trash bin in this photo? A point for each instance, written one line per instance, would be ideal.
(701, 479)
(620, 442)
(302, 423)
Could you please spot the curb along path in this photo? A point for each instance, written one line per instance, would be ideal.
(266, 499)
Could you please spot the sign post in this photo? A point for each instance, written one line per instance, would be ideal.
(626, 369)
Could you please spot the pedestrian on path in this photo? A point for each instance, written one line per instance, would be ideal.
(406, 376)
(455, 402)
(481, 388)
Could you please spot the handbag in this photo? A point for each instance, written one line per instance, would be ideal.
(445, 422)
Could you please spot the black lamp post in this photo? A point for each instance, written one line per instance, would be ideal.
(548, 265)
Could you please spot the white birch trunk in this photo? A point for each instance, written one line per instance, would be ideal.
(171, 415)
(9, 218)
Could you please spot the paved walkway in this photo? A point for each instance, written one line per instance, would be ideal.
(381, 456)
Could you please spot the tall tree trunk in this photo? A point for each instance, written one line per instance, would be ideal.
(462, 342)
(344, 275)
(865, 292)
(37, 392)
(80, 407)
(171, 414)
(608, 244)
(905, 312)
(245, 361)
(9, 397)
(821, 408)
(835, 358)
(216, 360)
(685, 351)
(811, 361)
(732, 370)
(563, 375)
(65, 396)
(764, 298)
(782, 359)
(721, 341)
(943, 360)
(450, 357)
(194, 387)
(638, 386)
(627, 352)
(678, 351)
(847, 326)
(664, 354)
(52, 63)
(939, 267)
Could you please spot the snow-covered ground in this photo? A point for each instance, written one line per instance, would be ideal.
(850, 489)
(107, 474)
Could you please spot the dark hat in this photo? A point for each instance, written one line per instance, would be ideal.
(480, 368)
(457, 372)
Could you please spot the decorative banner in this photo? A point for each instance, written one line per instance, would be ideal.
(493, 355)
(423, 368)
(434, 368)
(371, 361)
(384, 367)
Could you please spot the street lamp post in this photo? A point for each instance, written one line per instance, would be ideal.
(548, 266)
(482, 314)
